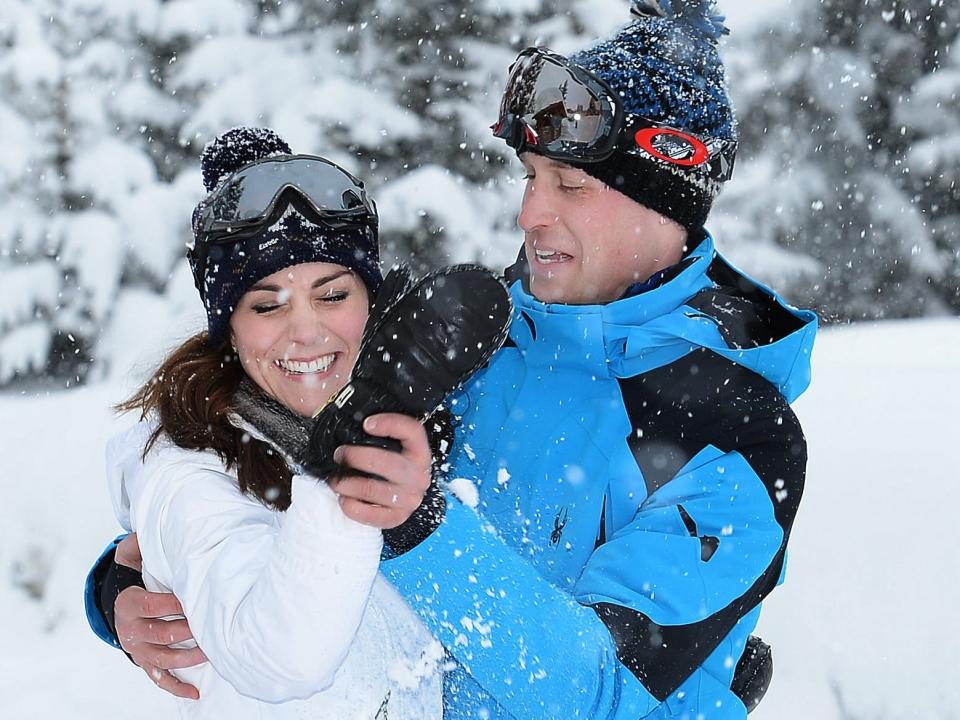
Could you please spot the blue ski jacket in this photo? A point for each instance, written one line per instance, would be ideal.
(623, 485)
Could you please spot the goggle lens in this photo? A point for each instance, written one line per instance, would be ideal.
(248, 198)
(565, 113)
(250, 194)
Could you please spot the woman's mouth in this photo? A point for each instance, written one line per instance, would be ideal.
(314, 366)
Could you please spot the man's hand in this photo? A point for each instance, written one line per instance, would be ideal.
(145, 637)
(402, 478)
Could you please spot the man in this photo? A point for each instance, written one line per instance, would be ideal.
(627, 468)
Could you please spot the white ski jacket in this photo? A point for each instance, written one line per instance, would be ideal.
(287, 606)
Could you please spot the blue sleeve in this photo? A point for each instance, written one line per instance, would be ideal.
(91, 595)
(697, 557)
(530, 645)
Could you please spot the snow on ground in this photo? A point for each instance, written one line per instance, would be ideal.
(868, 617)
(866, 626)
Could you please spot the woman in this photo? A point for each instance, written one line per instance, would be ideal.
(277, 578)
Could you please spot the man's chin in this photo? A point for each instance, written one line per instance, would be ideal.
(546, 292)
(547, 287)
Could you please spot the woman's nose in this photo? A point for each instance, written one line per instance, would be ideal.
(306, 325)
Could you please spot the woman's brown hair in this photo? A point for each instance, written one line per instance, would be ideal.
(191, 396)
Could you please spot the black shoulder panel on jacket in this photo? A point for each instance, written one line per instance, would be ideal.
(704, 399)
(746, 315)
(676, 411)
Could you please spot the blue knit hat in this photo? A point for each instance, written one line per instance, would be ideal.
(664, 66)
(291, 239)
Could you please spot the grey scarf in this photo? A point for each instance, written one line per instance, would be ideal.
(269, 420)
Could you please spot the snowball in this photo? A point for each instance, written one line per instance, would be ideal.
(465, 491)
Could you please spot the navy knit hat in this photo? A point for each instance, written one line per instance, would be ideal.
(292, 239)
(665, 66)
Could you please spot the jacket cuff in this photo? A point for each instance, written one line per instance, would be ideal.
(418, 527)
(93, 596)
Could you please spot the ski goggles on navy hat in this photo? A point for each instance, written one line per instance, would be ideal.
(274, 213)
(244, 203)
(556, 109)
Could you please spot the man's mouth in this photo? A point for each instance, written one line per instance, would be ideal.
(307, 367)
(548, 257)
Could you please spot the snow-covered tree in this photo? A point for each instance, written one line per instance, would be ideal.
(106, 106)
(831, 199)
(88, 204)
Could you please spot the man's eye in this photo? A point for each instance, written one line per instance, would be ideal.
(571, 188)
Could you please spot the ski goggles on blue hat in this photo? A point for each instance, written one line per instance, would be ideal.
(253, 197)
(556, 109)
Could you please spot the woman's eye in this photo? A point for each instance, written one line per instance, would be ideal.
(571, 188)
(335, 296)
(264, 308)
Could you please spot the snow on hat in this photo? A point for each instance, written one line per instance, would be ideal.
(231, 269)
(665, 66)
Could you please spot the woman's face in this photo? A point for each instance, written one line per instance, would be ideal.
(297, 333)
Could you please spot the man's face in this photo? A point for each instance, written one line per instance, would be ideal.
(585, 242)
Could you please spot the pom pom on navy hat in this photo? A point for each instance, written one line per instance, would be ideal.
(229, 152)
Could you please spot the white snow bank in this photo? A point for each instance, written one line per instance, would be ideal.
(867, 618)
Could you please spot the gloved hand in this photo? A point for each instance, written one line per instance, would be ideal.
(420, 344)
(753, 673)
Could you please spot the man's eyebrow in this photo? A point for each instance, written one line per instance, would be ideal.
(271, 287)
(558, 165)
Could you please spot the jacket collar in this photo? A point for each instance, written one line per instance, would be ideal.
(656, 327)
(588, 337)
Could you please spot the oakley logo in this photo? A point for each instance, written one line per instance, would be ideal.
(672, 146)
(343, 396)
(268, 243)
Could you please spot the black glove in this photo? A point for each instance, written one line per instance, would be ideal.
(420, 345)
(753, 673)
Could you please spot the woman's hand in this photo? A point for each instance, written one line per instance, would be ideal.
(389, 499)
(145, 637)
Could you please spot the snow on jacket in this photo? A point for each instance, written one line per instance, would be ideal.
(635, 470)
(288, 606)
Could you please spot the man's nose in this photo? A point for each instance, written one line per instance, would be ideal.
(537, 208)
